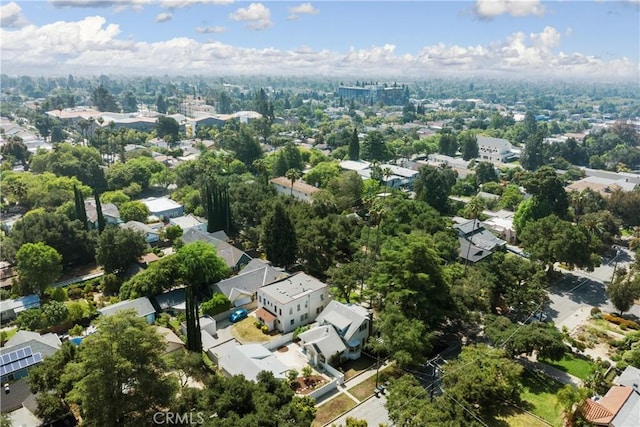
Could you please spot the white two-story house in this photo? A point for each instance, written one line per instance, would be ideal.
(292, 302)
(494, 149)
(342, 331)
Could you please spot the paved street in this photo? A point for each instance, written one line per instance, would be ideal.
(573, 297)
(371, 410)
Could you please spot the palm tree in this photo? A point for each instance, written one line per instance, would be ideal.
(293, 175)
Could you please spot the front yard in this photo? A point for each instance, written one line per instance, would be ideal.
(332, 408)
(573, 365)
(246, 331)
(539, 397)
(367, 387)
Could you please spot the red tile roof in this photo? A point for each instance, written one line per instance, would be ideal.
(603, 410)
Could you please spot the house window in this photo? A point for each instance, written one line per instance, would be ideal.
(259, 299)
(318, 310)
(290, 310)
(362, 327)
(322, 297)
(298, 307)
(293, 321)
(280, 312)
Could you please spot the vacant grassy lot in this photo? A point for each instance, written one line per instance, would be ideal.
(517, 418)
(574, 365)
(539, 396)
(246, 331)
(332, 409)
(367, 387)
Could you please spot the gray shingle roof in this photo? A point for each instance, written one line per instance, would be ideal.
(292, 287)
(141, 305)
(251, 359)
(248, 282)
(346, 318)
(232, 256)
(324, 339)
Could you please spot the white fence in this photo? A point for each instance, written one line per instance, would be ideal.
(278, 342)
(333, 372)
(330, 386)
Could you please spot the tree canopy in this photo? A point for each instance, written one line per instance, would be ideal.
(38, 265)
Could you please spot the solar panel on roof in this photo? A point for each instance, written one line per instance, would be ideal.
(20, 353)
(5, 359)
(15, 366)
(27, 351)
(13, 356)
(37, 358)
(2, 370)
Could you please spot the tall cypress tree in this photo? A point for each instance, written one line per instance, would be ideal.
(354, 146)
(81, 210)
(101, 221)
(194, 338)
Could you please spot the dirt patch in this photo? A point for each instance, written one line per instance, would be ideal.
(308, 384)
(283, 349)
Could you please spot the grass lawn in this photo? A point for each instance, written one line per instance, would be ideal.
(367, 387)
(246, 331)
(518, 418)
(574, 365)
(539, 396)
(354, 367)
(332, 409)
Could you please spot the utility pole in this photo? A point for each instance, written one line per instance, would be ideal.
(615, 264)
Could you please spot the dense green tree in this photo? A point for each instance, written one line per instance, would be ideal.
(447, 142)
(129, 351)
(199, 265)
(533, 155)
(346, 189)
(544, 338)
(118, 247)
(511, 197)
(278, 237)
(55, 312)
(374, 147)
(160, 276)
(346, 278)
(486, 172)
(482, 377)
(38, 265)
(624, 290)
(101, 221)
(15, 150)
(625, 205)
(551, 240)
(104, 100)
(116, 197)
(408, 274)
(81, 210)
(547, 187)
(161, 104)
(41, 190)
(129, 102)
(217, 304)
(404, 338)
(433, 185)
(168, 129)
(134, 210)
(321, 174)
(468, 146)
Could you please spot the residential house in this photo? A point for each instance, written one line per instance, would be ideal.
(292, 302)
(151, 236)
(300, 190)
(10, 308)
(602, 185)
(208, 332)
(251, 359)
(620, 407)
(142, 306)
(349, 323)
(495, 149)
(173, 342)
(110, 213)
(23, 351)
(172, 301)
(163, 207)
(477, 243)
(232, 256)
(501, 224)
(187, 222)
(241, 289)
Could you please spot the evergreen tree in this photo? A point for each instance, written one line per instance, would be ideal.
(101, 221)
(354, 146)
(194, 338)
(81, 211)
(279, 238)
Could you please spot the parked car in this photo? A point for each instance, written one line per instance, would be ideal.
(237, 315)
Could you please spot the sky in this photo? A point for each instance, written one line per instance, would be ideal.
(522, 39)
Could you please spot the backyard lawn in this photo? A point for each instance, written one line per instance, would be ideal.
(518, 418)
(575, 366)
(246, 331)
(333, 408)
(539, 396)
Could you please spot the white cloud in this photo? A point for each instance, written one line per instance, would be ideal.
(302, 9)
(488, 9)
(256, 16)
(164, 17)
(210, 30)
(90, 45)
(11, 16)
(175, 4)
(118, 4)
